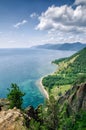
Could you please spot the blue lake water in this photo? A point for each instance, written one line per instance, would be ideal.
(25, 67)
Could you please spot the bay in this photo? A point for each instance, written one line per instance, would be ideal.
(24, 67)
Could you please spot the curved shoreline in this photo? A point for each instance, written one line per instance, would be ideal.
(41, 88)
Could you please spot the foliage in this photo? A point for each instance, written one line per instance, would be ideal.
(69, 70)
(15, 96)
(47, 116)
(34, 125)
(51, 114)
(56, 119)
(81, 79)
(75, 122)
(59, 60)
(56, 80)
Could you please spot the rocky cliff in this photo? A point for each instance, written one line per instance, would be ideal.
(12, 119)
(75, 99)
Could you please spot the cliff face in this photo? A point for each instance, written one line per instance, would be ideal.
(75, 99)
(12, 119)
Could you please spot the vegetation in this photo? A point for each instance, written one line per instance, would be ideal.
(80, 79)
(59, 90)
(72, 71)
(75, 122)
(59, 60)
(69, 69)
(15, 96)
(51, 114)
(48, 117)
(54, 119)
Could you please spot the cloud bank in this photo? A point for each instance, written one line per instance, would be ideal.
(64, 20)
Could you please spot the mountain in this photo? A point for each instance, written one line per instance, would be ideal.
(66, 46)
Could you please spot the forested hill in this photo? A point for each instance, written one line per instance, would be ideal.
(69, 69)
(76, 63)
(66, 46)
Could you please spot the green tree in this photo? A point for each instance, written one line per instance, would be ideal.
(80, 79)
(15, 96)
(34, 125)
(75, 122)
(51, 114)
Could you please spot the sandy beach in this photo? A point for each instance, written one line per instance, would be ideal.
(42, 89)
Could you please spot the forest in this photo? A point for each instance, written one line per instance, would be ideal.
(69, 70)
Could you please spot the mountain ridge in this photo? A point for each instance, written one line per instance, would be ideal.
(65, 46)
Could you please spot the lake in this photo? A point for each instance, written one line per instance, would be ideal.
(24, 67)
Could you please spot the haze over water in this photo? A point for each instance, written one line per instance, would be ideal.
(25, 67)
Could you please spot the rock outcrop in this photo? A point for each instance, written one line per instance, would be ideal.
(15, 119)
(4, 104)
(75, 99)
(12, 119)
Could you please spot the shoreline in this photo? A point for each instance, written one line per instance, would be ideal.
(41, 88)
(40, 85)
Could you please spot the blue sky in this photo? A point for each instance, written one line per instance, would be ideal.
(25, 23)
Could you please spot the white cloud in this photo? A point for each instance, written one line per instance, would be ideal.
(63, 18)
(64, 23)
(77, 2)
(17, 25)
(34, 15)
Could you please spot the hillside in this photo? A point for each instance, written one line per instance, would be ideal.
(74, 98)
(69, 70)
(66, 113)
(73, 108)
(66, 46)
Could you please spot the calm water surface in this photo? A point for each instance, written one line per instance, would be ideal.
(25, 67)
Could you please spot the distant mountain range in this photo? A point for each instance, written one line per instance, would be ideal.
(66, 46)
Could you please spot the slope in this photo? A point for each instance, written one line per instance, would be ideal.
(69, 70)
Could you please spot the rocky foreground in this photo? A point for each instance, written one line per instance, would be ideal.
(12, 119)
(15, 119)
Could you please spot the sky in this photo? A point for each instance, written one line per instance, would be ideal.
(25, 23)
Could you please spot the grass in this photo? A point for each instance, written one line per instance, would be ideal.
(57, 91)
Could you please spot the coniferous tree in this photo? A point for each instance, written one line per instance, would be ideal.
(51, 114)
(15, 96)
